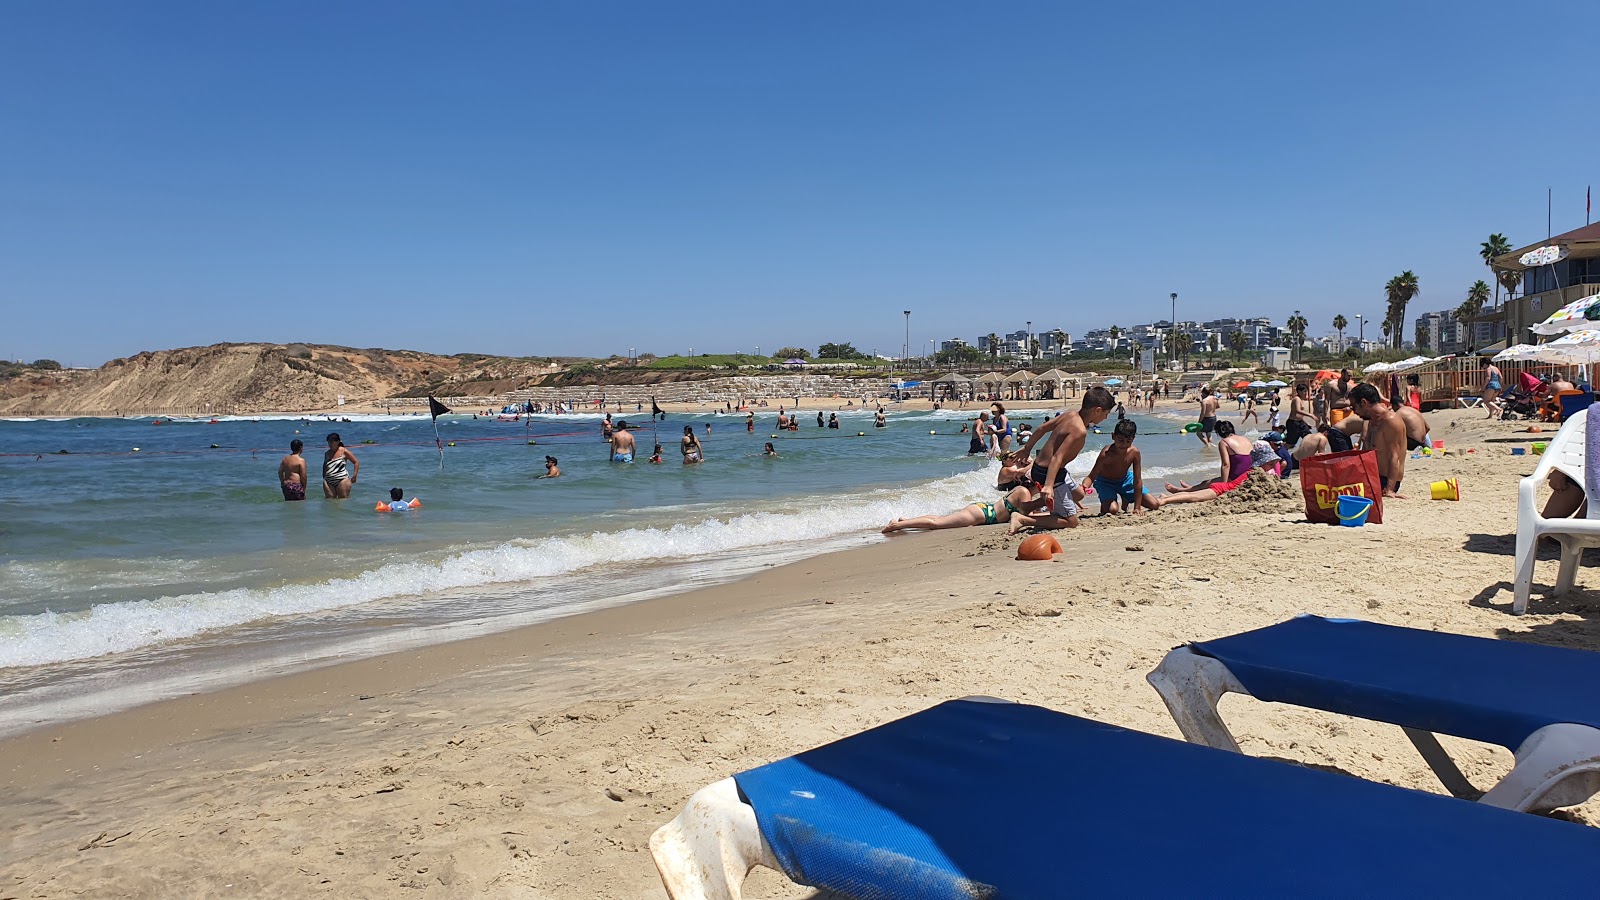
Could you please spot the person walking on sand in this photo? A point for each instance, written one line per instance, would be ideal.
(1067, 431)
(1491, 391)
(1208, 415)
(1385, 433)
(292, 472)
(690, 445)
(1249, 410)
(339, 469)
(622, 444)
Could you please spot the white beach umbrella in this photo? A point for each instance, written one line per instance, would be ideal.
(1276, 383)
(1378, 367)
(1258, 384)
(1573, 316)
(1581, 346)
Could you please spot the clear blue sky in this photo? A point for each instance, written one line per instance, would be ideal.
(582, 178)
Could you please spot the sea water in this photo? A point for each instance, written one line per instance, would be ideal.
(155, 559)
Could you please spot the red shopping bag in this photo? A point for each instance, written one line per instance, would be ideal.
(1324, 478)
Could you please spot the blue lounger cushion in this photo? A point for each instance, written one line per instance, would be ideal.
(1498, 692)
(973, 799)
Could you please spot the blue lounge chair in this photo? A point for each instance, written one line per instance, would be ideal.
(1542, 703)
(984, 799)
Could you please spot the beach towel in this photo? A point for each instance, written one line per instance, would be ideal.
(1324, 478)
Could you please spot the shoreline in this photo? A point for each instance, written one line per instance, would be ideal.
(539, 760)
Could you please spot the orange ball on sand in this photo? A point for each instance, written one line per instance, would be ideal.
(1040, 547)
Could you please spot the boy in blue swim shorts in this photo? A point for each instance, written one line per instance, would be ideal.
(1118, 473)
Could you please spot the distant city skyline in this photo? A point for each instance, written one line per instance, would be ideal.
(579, 179)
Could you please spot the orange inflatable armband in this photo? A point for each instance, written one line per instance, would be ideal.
(1040, 547)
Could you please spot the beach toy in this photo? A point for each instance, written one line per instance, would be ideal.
(531, 443)
(136, 450)
(1426, 452)
(1353, 510)
(1538, 448)
(1191, 428)
(1519, 451)
(858, 434)
(1438, 445)
(1039, 548)
(1449, 489)
(933, 432)
(399, 506)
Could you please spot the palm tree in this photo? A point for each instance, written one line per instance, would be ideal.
(1401, 290)
(1496, 245)
(1340, 323)
(1177, 342)
(1237, 340)
(1477, 296)
(1061, 341)
(1216, 343)
(994, 346)
(1297, 331)
(1116, 334)
(1033, 348)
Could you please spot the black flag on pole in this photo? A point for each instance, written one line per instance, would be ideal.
(437, 409)
(656, 410)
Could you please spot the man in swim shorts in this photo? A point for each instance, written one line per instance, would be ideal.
(292, 472)
(621, 443)
(1118, 473)
(1385, 433)
(1208, 416)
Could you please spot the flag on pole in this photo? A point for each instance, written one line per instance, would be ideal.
(437, 409)
(1588, 203)
(656, 411)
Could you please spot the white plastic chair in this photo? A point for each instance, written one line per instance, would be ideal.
(1566, 453)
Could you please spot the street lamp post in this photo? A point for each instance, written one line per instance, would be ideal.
(1174, 325)
(1361, 334)
(930, 349)
(905, 349)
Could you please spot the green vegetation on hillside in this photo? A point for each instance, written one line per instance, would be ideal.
(709, 361)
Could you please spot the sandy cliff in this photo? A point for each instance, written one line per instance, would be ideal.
(244, 378)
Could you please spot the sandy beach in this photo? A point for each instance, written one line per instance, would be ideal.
(536, 763)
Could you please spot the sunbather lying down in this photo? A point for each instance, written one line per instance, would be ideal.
(1019, 500)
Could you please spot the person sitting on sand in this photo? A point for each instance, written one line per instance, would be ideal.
(551, 468)
(1014, 503)
(1275, 441)
(1118, 473)
(1385, 432)
(1234, 450)
(292, 472)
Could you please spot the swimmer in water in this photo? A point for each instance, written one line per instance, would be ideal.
(621, 444)
(292, 472)
(693, 452)
(551, 468)
(339, 469)
(398, 503)
(770, 451)
(655, 455)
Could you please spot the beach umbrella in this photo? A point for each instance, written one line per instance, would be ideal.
(1378, 367)
(1575, 315)
(1543, 256)
(1410, 363)
(1533, 353)
(1582, 346)
(1113, 382)
(1257, 384)
(1276, 383)
(1237, 385)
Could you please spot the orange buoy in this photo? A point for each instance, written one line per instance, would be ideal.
(1041, 547)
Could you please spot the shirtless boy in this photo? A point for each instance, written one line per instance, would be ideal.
(292, 472)
(1118, 473)
(622, 443)
(1208, 415)
(1385, 433)
(1049, 473)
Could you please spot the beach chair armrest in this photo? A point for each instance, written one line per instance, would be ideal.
(1191, 684)
(706, 852)
(1557, 766)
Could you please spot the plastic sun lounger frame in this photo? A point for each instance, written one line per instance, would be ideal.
(1557, 765)
(1565, 452)
(990, 799)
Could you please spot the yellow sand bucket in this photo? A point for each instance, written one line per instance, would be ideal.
(1449, 489)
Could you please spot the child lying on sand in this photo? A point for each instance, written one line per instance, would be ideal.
(1017, 501)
